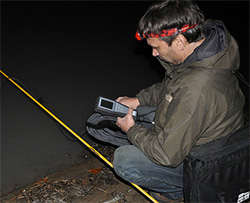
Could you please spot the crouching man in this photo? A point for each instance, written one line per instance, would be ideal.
(198, 101)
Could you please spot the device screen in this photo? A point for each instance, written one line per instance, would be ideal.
(107, 104)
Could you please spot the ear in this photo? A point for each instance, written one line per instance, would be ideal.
(180, 42)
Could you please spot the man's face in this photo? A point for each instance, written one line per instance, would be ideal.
(165, 52)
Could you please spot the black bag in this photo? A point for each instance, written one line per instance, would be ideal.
(219, 171)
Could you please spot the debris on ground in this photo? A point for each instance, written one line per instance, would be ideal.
(90, 182)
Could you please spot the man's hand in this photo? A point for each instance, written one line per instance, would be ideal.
(131, 102)
(126, 122)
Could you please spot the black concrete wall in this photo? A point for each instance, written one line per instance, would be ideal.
(67, 53)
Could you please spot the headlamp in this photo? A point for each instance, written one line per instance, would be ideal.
(164, 33)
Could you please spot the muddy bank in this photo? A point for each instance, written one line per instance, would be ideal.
(92, 181)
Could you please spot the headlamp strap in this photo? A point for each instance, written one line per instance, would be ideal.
(164, 33)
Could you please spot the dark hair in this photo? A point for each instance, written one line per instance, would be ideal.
(173, 14)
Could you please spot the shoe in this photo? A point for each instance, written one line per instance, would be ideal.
(163, 199)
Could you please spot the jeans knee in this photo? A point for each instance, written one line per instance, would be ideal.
(119, 162)
(124, 166)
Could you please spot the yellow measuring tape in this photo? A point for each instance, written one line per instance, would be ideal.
(73, 133)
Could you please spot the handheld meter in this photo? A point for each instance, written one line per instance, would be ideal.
(112, 108)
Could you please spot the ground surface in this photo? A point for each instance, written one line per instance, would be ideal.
(92, 181)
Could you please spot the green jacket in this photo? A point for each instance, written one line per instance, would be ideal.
(200, 103)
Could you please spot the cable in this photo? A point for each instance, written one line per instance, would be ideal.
(146, 114)
(40, 100)
(103, 128)
(73, 133)
(241, 77)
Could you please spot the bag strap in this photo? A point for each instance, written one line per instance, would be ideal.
(241, 78)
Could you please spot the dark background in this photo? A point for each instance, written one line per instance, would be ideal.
(67, 53)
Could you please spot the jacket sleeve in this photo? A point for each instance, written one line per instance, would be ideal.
(177, 130)
(149, 96)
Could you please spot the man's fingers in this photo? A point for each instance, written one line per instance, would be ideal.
(130, 111)
(117, 121)
(119, 99)
(126, 122)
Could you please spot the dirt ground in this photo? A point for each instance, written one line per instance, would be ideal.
(92, 181)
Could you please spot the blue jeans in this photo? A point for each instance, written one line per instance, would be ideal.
(133, 166)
